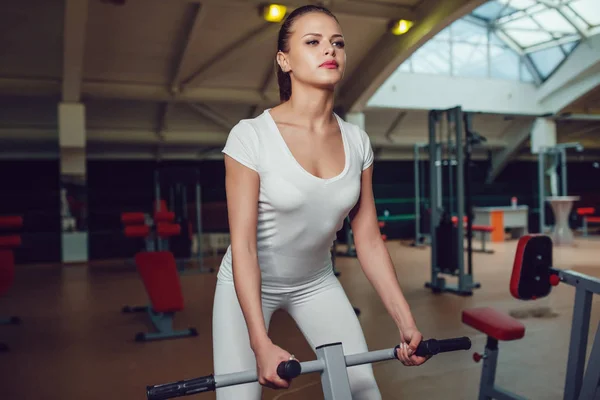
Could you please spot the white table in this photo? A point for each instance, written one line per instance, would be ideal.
(561, 206)
(501, 218)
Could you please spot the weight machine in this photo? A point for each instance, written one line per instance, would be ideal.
(559, 152)
(447, 244)
(421, 237)
(175, 183)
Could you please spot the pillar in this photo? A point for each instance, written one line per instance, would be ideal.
(357, 118)
(73, 182)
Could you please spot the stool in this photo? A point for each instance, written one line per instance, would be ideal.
(484, 230)
(497, 326)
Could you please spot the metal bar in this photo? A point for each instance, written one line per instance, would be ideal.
(591, 380)
(563, 171)
(541, 189)
(460, 194)
(580, 281)
(578, 343)
(156, 190)
(370, 357)
(199, 218)
(417, 196)
(334, 378)
(433, 193)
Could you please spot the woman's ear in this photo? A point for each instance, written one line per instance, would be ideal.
(283, 61)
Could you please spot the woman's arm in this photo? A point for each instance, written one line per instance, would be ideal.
(242, 186)
(374, 257)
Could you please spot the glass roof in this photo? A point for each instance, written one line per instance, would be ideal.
(509, 39)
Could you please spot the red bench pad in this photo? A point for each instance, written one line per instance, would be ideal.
(493, 323)
(593, 219)
(482, 228)
(7, 270)
(131, 218)
(10, 241)
(586, 210)
(137, 231)
(161, 279)
(11, 221)
(166, 229)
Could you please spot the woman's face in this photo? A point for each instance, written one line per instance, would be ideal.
(316, 51)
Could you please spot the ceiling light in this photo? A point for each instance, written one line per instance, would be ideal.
(274, 12)
(402, 26)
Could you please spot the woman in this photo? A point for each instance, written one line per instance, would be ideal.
(292, 176)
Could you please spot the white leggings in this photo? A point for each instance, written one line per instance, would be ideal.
(322, 312)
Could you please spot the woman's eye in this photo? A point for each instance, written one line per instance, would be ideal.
(312, 42)
(340, 44)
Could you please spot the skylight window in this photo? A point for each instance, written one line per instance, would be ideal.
(509, 39)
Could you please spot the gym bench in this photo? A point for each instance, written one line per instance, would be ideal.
(587, 216)
(533, 278)
(161, 280)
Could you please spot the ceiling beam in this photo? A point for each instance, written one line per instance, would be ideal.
(227, 55)
(380, 10)
(213, 116)
(192, 37)
(142, 92)
(75, 21)
(390, 51)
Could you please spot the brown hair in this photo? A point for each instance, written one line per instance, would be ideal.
(283, 78)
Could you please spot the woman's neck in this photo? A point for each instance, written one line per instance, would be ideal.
(312, 108)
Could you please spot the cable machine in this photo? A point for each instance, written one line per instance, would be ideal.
(450, 144)
(176, 183)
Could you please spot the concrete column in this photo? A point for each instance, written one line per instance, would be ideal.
(357, 118)
(73, 182)
(543, 134)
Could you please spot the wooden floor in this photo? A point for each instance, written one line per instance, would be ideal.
(75, 343)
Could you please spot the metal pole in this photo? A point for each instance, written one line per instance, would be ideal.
(433, 192)
(417, 196)
(541, 190)
(199, 217)
(563, 171)
(156, 190)
(460, 193)
(468, 200)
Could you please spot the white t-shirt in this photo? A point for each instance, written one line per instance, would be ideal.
(298, 213)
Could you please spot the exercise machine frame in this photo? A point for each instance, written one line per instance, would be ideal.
(185, 173)
(331, 363)
(455, 117)
(421, 239)
(532, 279)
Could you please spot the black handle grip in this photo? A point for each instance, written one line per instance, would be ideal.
(181, 388)
(289, 369)
(432, 347)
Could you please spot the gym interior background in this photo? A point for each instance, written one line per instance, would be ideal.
(97, 97)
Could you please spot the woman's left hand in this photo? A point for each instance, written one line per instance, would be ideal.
(409, 340)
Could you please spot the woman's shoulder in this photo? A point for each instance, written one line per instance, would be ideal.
(255, 126)
(354, 132)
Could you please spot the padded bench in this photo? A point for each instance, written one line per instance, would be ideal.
(497, 326)
(587, 216)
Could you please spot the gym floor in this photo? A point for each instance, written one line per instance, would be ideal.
(74, 343)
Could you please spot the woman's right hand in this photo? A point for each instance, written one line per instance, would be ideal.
(268, 358)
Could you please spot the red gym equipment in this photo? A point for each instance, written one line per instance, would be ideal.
(158, 269)
(7, 262)
(532, 278)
